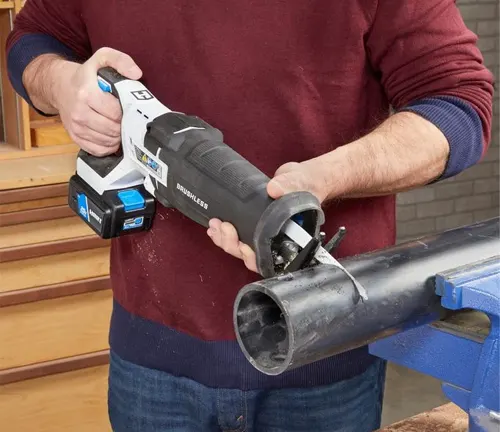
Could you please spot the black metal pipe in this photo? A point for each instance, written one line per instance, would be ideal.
(293, 320)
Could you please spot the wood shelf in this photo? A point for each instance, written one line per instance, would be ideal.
(36, 171)
(55, 295)
(51, 329)
(33, 233)
(26, 132)
(10, 152)
(53, 367)
(50, 121)
(54, 269)
(34, 204)
(51, 248)
(49, 135)
(36, 193)
(54, 291)
(35, 215)
(72, 401)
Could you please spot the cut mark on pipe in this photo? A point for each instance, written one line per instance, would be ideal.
(302, 238)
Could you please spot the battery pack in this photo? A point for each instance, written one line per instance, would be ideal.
(114, 213)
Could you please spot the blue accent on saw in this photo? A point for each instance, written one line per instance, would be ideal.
(298, 219)
(83, 207)
(103, 85)
(131, 199)
(133, 223)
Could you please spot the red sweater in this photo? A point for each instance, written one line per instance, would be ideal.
(284, 81)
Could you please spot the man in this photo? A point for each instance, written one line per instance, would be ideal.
(303, 90)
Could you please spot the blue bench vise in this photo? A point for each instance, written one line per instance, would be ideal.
(461, 350)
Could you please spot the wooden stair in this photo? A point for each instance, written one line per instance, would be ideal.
(55, 306)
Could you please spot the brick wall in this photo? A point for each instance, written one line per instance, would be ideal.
(473, 194)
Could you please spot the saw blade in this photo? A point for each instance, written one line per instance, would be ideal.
(300, 236)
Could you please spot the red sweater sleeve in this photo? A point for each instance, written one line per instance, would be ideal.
(422, 48)
(59, 19)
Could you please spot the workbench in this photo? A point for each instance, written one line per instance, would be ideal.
(446, 418)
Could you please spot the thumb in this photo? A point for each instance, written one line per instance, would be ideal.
(123, 63)
(283, 184)
(289, 166)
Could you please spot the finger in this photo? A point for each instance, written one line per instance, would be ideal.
(230, 241)
(95, 149)
(123, 63)
(214, 231)
(100, 124)
(98, 139)
(249, 257)
(105, 104)
(224, 236)
(289, 166)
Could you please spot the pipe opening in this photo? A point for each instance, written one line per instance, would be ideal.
(262, 329)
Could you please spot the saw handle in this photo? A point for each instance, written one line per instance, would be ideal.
(107, 77)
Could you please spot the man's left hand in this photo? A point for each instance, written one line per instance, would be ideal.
(311, 176)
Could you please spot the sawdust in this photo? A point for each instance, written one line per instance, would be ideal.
(152, 257)
(156, 293)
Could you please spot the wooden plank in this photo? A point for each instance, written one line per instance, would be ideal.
(18, 4)
(53, 329)
(50, 135)
(35, 215)
(33, 193)
(33, 204)
(39, 370)
(52, 248)
(44, 231)
(73, 401)
(446, 418)
(41, 232)
(36, 171)
(48, 292)
(6, 5)
(37, 121)
(9, 152)
(24, 125)
(54, 269)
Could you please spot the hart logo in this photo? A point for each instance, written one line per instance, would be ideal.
(97, 218)
(142, 95)
(191, 195)
(83, 212)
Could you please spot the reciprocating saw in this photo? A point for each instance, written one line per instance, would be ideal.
(182, 162)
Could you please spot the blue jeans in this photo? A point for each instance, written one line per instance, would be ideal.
(145, 400)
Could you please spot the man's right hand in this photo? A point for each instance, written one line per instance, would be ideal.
(91, 116)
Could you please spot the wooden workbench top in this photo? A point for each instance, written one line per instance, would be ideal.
(446, 418)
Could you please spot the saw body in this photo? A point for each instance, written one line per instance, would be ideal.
(180, 161)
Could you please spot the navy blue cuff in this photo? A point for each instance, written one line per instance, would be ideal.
(461, 125)
(24, 51)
